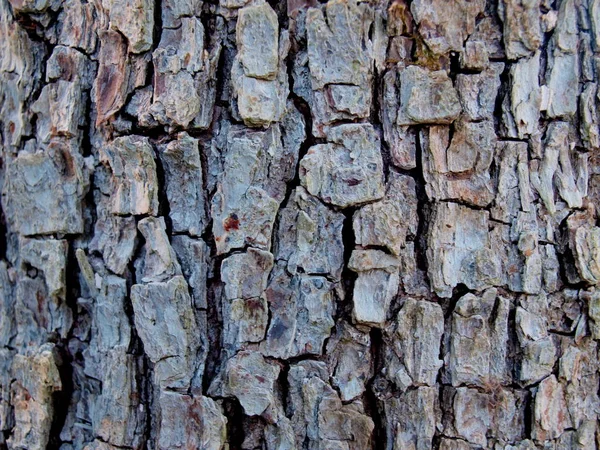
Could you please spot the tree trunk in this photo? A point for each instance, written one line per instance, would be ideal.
(242, 224)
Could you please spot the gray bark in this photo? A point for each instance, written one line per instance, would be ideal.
(340, 224)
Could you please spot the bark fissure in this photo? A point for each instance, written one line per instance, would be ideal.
(256, 224)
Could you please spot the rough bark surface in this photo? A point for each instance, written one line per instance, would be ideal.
(299, 224)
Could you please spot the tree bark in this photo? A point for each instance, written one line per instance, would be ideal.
(242, 224)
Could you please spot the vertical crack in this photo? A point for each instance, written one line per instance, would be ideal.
(235, 423)
(344, 307)
(374, 406)
(62, 399)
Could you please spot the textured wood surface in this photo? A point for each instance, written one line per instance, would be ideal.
(301, 224)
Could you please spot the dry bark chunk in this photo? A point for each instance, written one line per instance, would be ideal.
(193, 257)
(78, 28)
(400, 139)
(184, 92)
(245, 312)
(258, 71)
(525, 97)
(187, 422)
(459, 249)
(37, 378)
(119, 416)
(340, 80)
(479, 341)
(472, 415)
(319, 415)
(550, 412)
(257, 36)
(413, 344)
(257, 166)
(522, 27)
(251, 379)
(460, 169)
(556, 170)
(478, 92)
(411, 419)
(538, 349)
(114, 236)
(388, 222)
(173, 348)
(514, 189)
(135, 184)
(444, 26)
(43, 192)
(59, 110)
(183, 180)
(110, 85)
(426, 97)
(111, 329)
(40, 307)
(475, 55)
(49, 256)
(301, 309)
(590, 134)
(376, 285)
(349, 170)
(135, 20)
(310, 236)
(172, 11)
(349, 360)
(158, 261)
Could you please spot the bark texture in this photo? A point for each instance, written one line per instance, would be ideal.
(341, 225)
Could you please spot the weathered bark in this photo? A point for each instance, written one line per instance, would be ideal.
(299, 225)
